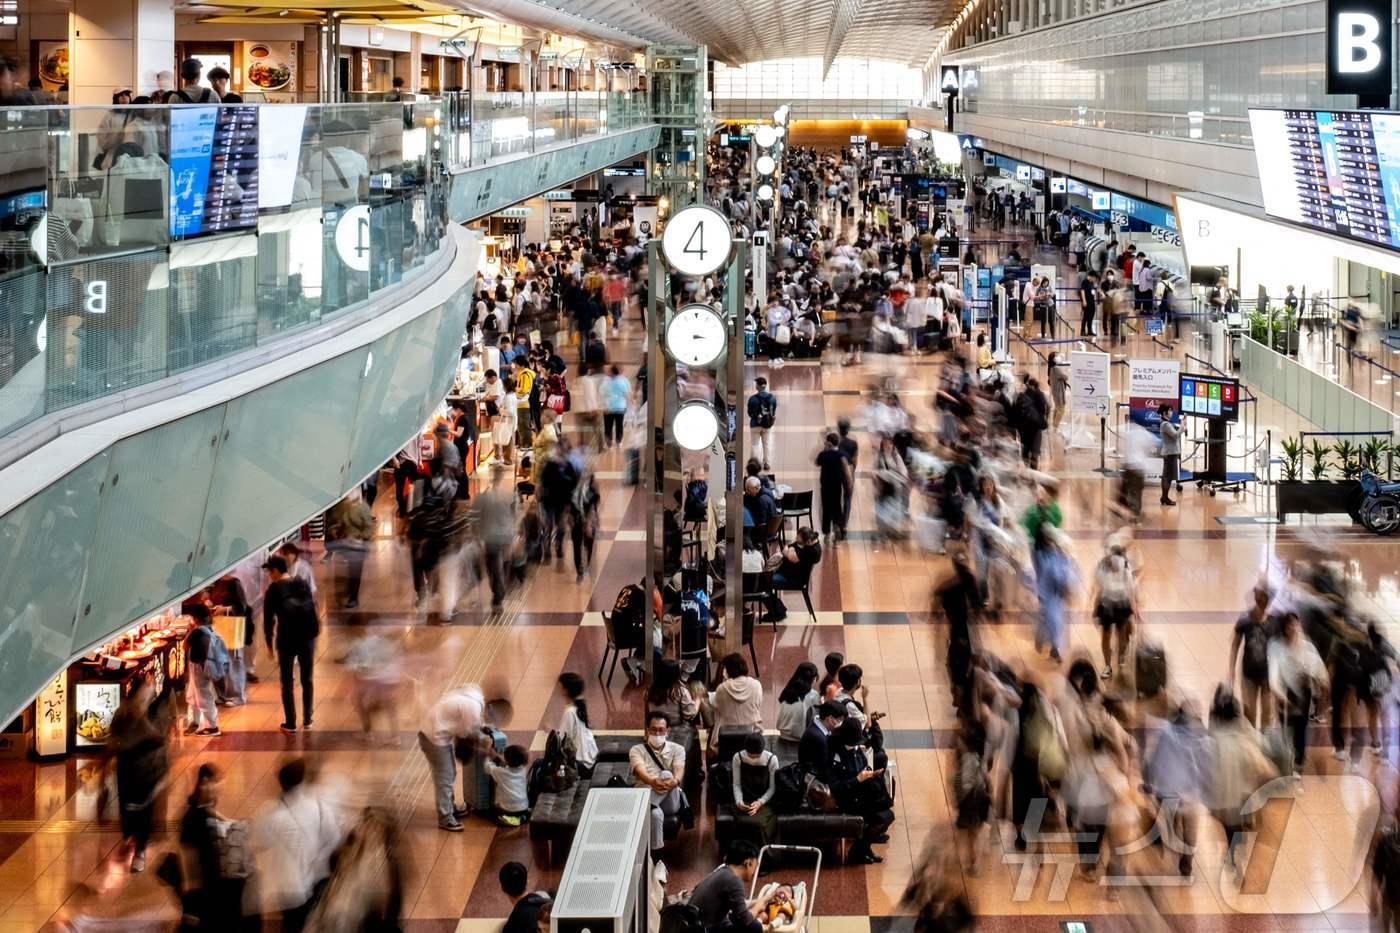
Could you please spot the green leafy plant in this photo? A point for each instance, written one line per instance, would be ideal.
(1348, 458)
(1318, 468)
(1292, 460)
(1374, 454)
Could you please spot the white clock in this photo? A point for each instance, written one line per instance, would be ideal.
(697, 240)
(696, 335)
(695, 426)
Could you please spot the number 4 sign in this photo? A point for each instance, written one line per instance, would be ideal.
(697, 240)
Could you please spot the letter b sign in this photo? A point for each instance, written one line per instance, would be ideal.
(1358, 47)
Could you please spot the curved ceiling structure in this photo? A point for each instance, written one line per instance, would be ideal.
(736, 31)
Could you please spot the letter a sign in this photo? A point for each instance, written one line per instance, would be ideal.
(950, 80)
(1358, 47)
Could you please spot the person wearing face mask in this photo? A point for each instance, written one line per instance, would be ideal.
(860, 789)
(659, 765)
(755, 772)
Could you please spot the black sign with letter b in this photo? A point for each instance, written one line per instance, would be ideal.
(1358, 48)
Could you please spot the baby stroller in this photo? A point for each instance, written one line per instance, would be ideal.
(804, 899)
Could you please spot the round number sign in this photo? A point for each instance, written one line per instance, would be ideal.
(697, 240)
(352, 238)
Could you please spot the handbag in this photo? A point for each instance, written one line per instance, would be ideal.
(783, 335)
(752, 561)
(820, 797)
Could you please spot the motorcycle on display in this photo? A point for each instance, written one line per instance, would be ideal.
(1380, 504)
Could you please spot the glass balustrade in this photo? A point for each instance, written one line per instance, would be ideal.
(137, 243)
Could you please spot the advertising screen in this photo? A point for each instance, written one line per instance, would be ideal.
(1210, 397)
(280, 132)
(1336, 171)
(213, 170)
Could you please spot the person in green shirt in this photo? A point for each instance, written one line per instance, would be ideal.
(1045, 509)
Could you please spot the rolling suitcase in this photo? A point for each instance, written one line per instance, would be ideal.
(482, 799)
(750, 343)
(1150, 667)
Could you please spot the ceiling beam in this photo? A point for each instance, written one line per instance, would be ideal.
(845, 14)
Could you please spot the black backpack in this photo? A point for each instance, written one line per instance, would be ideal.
(697, 493)
(298, 614)
(557, 769)
(789, 788)
(681, 918)
(766, 413)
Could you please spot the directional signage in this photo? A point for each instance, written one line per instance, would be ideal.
(1088, 382)
(950, 80)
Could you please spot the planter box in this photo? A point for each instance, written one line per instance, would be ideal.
(1319, 497)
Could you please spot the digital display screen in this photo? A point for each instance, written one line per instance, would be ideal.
(1335, 171)
(213, 170)
(1210, 397)
(280, 132)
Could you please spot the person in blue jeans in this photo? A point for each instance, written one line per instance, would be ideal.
(617, 393)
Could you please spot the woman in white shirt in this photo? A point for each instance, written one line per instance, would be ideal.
(796, 701)
(916, 317)
(573, 724)
(507, 420)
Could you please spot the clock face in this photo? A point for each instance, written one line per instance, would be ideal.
(695, 335)
(695, 426)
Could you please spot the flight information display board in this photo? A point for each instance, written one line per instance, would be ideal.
(213, 170)
(1332, 170)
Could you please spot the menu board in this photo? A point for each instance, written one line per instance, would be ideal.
(1336, 171)
(1210, 397)
(213, 170)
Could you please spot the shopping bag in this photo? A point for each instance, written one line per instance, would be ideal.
(930, 533)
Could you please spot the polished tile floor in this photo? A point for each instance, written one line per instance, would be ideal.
(873, 603)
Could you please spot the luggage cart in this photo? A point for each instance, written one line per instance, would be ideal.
(808, 898)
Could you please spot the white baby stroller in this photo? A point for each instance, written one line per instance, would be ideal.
(804, 899)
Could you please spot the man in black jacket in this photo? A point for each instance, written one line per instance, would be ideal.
(289, 616)
(815, 751)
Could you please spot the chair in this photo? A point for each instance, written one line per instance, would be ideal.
(612, 646)
(773, 533)
(805, 590)
(796, 506)
(758, 590)
(746, 638)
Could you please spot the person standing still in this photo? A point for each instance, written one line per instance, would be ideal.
(1171, 453)
(837, 474)
(291, 622)
(763, 412)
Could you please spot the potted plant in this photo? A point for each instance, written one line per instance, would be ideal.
(1292, 460)
(1319, 495)
(1348, 459)
(1319, 452)
(1374, 455)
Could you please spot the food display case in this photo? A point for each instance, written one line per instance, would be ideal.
(102, 680)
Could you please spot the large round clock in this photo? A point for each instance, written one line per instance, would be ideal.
(696, 335)
(695, 426)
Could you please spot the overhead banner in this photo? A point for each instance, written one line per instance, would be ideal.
(950, 80)
(1151, 383)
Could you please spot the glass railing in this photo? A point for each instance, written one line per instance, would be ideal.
(487, 125)
(140, 242)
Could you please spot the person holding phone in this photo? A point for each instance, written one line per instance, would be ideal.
(860, 790)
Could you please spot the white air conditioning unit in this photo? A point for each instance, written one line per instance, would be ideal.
(604, 887)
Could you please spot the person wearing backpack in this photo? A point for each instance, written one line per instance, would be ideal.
(1115, 602)
(208, 664)
(290, 621)
(763, 412)
(1249, 648)
(191, 92)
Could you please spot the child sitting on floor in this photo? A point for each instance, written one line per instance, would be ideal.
(508, 773)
